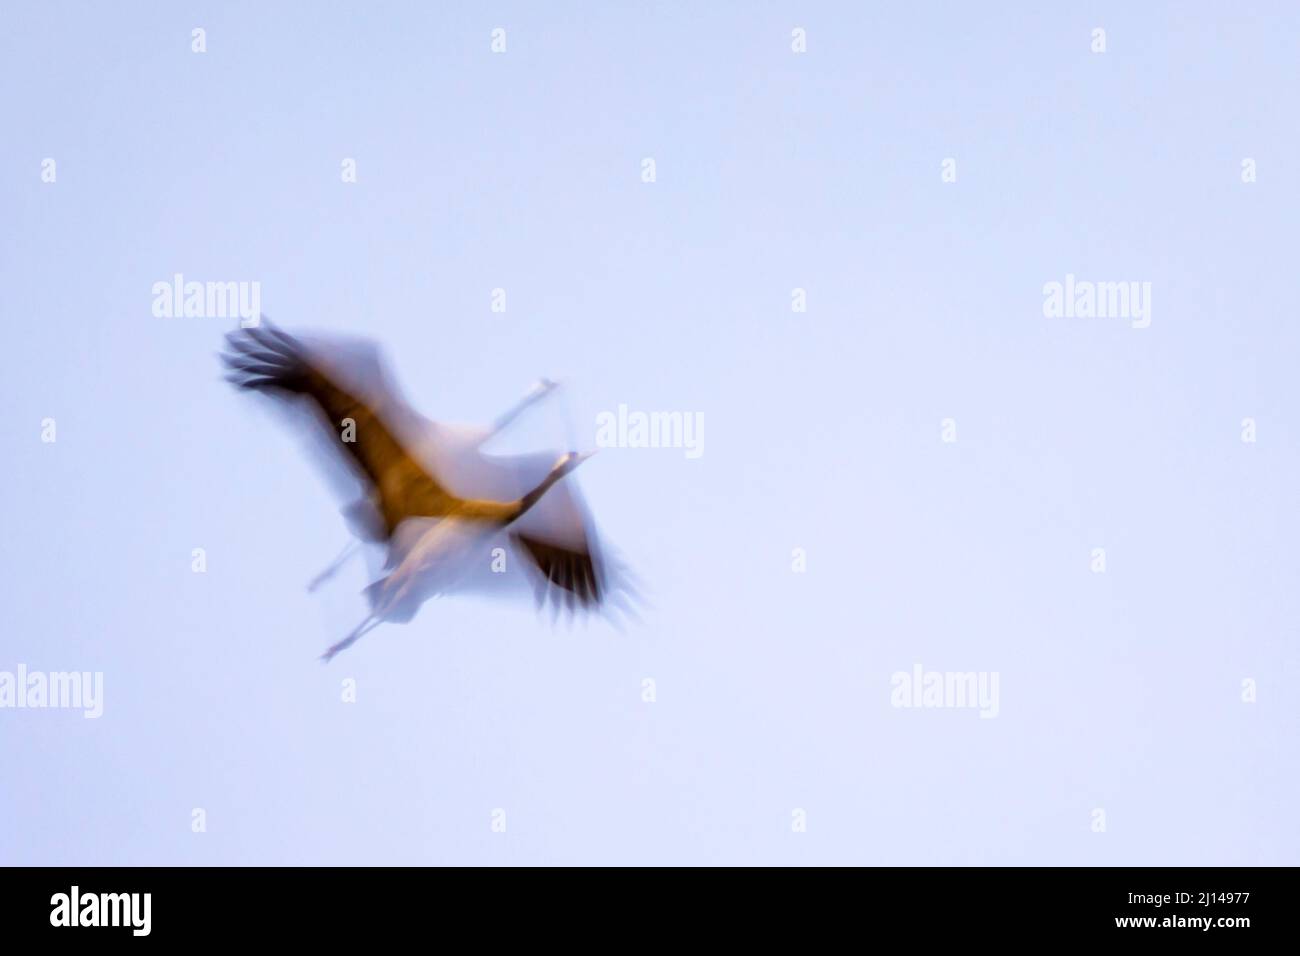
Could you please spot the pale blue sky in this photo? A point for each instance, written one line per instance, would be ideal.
(821, 171)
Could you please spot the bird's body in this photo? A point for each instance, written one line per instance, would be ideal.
(437, 561)
(426, 491)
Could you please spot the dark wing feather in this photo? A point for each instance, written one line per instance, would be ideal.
(574, 571)
(267, 359)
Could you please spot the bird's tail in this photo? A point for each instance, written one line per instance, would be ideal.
(387, 604)
(374, 593)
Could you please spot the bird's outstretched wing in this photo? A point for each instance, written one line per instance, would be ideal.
(575, 572)
(556, 542)
(265, 358)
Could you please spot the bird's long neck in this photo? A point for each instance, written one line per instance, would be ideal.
(534, 496)
(504, 512)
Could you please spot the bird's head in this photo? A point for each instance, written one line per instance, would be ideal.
(570, 461)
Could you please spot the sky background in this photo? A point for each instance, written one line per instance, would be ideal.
(775, 170)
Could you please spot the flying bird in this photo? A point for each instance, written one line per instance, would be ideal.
(425, 491)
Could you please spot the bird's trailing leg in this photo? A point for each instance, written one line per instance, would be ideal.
(539, 391)
(333, 568)
(365, 627)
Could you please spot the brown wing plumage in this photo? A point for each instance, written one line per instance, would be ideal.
(575, 571)
(266, 359)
